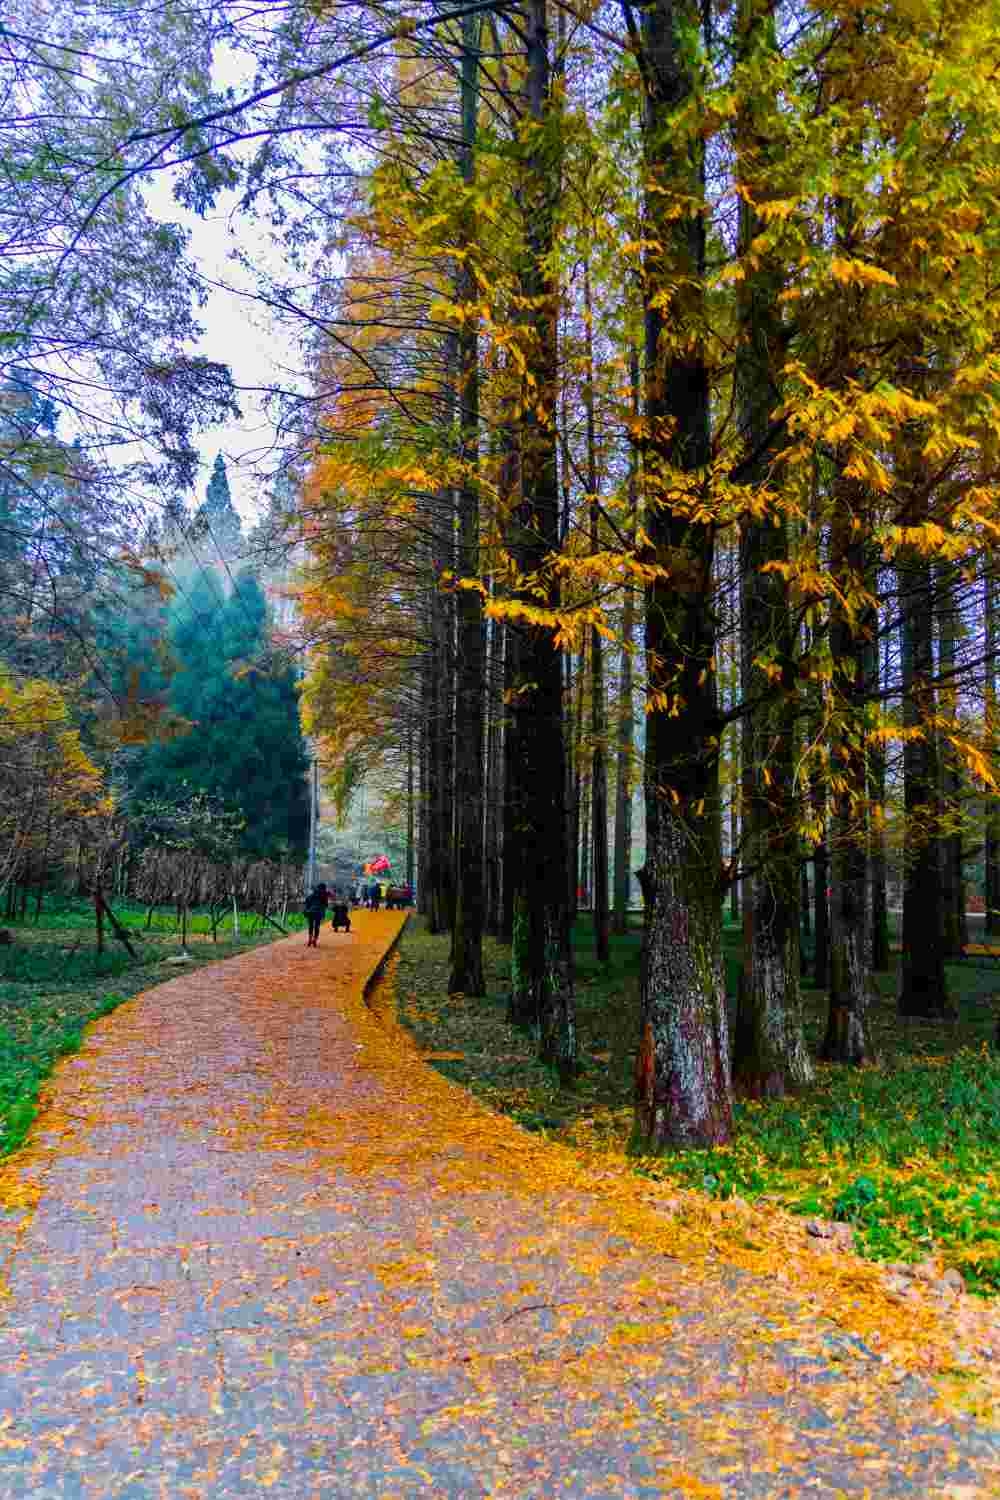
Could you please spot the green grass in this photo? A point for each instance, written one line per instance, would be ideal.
(908, 1151)
(76, 914)
(53, 982)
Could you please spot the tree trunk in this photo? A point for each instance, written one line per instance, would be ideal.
(626, 707)
(424, 837)
(512, 772)
(410, 809)
(441, 765)
(509, 487)
(851, 630)
(846, 1039)
(991, 851)
(735, 888)
(954, 928)
(578, 807)
(494, 784)
(469, 911)
(598, 704)
(538, 698)
(922, 989)
(682, 1069)
(583, 844)
(623, 773)
(769, 1048)
(880, 959)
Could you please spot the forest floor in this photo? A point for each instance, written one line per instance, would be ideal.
(903, 1156)
(254, 1244)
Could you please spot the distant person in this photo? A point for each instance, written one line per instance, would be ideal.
(376, 896)
(316, 904)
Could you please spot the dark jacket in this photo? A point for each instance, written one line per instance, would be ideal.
(317, 901)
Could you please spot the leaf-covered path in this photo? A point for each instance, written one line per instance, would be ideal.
(263, 1249)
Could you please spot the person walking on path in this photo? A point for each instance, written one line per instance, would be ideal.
(316, 904)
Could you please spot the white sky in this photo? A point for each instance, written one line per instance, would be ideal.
(238, 331)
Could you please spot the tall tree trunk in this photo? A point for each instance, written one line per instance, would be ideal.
(735, 831)
(582, 802)
(469, 916)
(850, 944)
(922, 989)
(424, 837)
(577, 809)
(682, 1070)
(881, 958)
(442, 756)
(954, 929)
(769, 1048)
(512, 771)
(494, 781)
(991, 850)
(538, 696)
(623, 773)
(509, 487)
(598, 704)
(851, 628)
(626, 707)
(876, 793)
(410, 808)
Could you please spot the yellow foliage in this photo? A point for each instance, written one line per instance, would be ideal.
(47, 779)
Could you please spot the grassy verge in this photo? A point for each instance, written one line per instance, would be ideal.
(907, 1151)
(53, 982)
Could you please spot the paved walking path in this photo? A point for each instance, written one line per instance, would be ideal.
(273, 1254)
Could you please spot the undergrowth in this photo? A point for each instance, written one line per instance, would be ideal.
(907, 1151)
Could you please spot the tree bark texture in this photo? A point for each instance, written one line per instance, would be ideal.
(494, 791)
(623, 773)
(682, 1069)
(846, 1038)
(922, 989)
(598, 703)
(991, 850)
(469, 915)
(538, 693)
(442, 731)
(955, 931)
(769, 1051)
(512, 772)
(881, 959)
(626, 708)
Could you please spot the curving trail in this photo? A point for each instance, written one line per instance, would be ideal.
(273, 1254)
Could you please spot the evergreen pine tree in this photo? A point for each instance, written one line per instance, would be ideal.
(216, 523)
(244, 747)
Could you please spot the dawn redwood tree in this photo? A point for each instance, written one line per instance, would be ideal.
(922, 987)
(991, 832)
(541, 904)
(850, 907)
(948, 622)
(625, 739)
(682, 1073)
(769, 1048)
(598, 697)
(470, 887)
